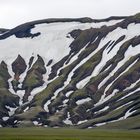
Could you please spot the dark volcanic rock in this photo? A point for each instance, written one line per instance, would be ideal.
(19, 65)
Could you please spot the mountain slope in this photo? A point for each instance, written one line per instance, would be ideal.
(71, 72)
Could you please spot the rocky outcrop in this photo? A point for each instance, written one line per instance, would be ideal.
(18, 67)
(34, 77)
(6, 98)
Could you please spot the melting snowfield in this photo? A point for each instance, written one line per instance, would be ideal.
(53, 44)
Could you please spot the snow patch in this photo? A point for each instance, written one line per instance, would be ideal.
(12, 110)
(5, 118)
(104, 99)
(100, 124)
(79, 102)
(67, 120)
(27, 108)
(80, 122)
(68, 93)
(46, 106)
(124, 105)
(104, 109)
(37, 123)
(133, 92)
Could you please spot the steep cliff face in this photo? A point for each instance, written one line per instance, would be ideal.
(83, 73)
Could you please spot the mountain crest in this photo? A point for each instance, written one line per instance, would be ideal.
(82, 72)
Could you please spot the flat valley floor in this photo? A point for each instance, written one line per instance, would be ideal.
(67, 134)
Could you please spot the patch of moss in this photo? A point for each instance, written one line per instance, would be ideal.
(129, 123)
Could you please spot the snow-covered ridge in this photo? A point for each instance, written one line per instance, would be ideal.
(52, 44)
(86, 78)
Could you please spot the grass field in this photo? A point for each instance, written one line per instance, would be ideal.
(66, 134)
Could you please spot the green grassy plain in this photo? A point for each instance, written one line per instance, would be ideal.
(66, 134)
